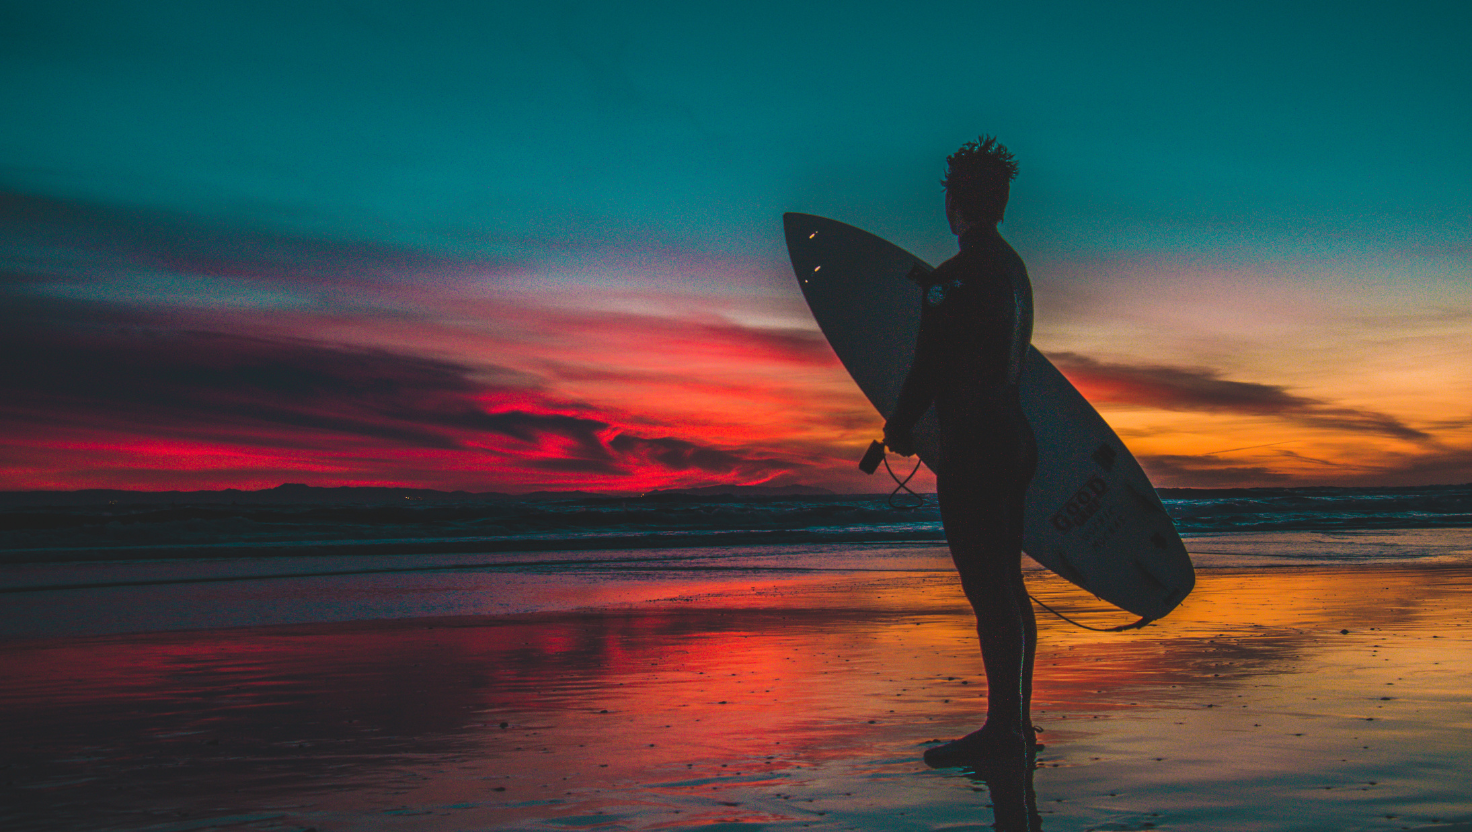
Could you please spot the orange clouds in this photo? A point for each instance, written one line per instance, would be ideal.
(1204, 390)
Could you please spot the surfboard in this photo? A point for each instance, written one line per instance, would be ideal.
(1092, 515)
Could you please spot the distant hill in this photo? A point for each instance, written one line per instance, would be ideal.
(289, 493)
(300, 494)
(745, 491)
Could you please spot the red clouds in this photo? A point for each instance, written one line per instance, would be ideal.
(101, 403)
(147, 349)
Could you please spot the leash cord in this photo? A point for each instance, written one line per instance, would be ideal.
(919, 500)
(1121, 628)
(904, 485)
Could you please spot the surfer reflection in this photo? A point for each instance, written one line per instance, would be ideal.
(975, 328)
(1009, 784)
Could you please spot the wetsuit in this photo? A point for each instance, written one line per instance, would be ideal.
(975, 328)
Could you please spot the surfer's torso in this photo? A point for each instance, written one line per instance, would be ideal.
(975, 328)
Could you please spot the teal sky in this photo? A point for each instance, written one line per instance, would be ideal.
(1191, 173)
(476, 126)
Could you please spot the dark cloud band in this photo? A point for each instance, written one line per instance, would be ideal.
(96, 370)
(1204, 389)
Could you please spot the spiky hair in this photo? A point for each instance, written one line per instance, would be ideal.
(979, 178)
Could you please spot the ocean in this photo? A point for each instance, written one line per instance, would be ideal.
(77, 566)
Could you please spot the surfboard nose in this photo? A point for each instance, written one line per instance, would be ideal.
(798, 228)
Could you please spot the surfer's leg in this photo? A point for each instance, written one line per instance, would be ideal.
(1007, 631)
(983, 522)
(1017, 589)
(981, 505)
(1016, 503)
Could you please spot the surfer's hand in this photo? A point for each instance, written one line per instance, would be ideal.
(899, 441)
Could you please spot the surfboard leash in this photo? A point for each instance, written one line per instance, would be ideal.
(1121, 628)
(904, 485)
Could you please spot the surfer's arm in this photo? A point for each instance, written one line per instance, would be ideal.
(919, 388)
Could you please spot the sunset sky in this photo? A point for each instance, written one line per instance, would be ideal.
(467, 245)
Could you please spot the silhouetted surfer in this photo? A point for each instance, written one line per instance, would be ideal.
(975, 327)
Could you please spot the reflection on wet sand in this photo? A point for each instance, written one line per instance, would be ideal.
(805, 707)
(1014, 800)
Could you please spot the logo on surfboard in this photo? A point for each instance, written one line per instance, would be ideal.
(1081, 506)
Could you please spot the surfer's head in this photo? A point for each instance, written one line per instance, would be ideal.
(978, 180)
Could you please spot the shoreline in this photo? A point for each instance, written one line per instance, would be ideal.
(163, 594)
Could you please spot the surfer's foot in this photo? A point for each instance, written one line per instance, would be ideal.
(989, 745)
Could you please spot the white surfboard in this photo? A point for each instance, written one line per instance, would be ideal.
(1092, 515)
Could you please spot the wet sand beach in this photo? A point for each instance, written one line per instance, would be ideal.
(1273, 699)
